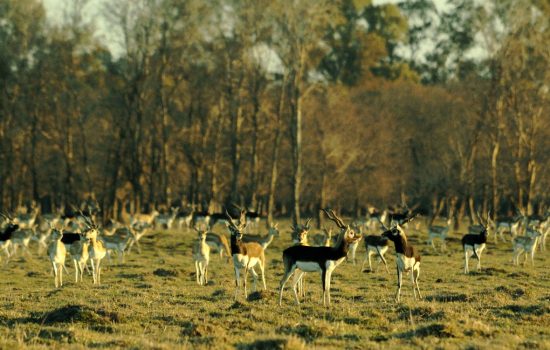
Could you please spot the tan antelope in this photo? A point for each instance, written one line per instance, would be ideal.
(218, 243)
(526, 244)
(310, 259)
(245, 255)
(138, 232)
(80, 254)
(408, 258)
(117, 242)
(97, 250)
(141, 219)
(299, 235)
(264, 241)
(57, 253)
(201, 257)
(353, 246)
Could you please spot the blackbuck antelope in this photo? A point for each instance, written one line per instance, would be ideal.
(408, 258)
(201, 257)
(311, 259)
(141, 219)
(440, 232)
(27, 221)
(513, 226)
(375, 245)
(299, 235)
(184, 218)
(219, 243)
(526, 244)
(57, 253)
(80, 255)
(166, 220)
(253, 218)
(216, 218)
(264, 241)
(22, 238)
(201, 218)
(97, 250)
(5, 238)
(474, 244)
(138, 231)
(245, 255)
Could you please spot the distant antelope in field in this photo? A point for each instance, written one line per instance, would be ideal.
(474, 244)
(117, 242)
(440, 232)
(353, 246)
(510, 225)
(322, 239)
(219, 243)
(184, 218)
(79, 254)
(526, 244)
(27, 221)
(545, 231)
(264, 241)
(245, 255)
(166, 220)
(138, 231)
(97, 250)
(299, 236)
(201, 256)
(22, 238)
(5, 237)
(57, 253)
(408, 258)
(311, 259)
(201, 218)
(144, 219)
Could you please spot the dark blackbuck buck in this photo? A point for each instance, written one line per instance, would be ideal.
(473, 244)
(408, 258)
(310, 259)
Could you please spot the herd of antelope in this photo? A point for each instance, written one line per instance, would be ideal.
(78, 235)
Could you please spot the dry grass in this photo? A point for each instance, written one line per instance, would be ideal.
(152, 301)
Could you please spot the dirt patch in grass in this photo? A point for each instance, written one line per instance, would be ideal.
(62, 336)
(514, 293)
(420, 313)
(166, 273)
(261, 295)
(303, 331)
(80, 313)
(290, 343)
(449, 297)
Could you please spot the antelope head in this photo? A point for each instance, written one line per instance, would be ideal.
(349, 234)
(236, 230)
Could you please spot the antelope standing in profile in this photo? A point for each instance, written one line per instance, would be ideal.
(57, 253)
(141, 219)
(474, 244)
(201, 256)
(408, 258)
(526, 244)
(117, 242)
(245, 255)
(138, 231)
(166, 220)
(440, 232)
(311, 259)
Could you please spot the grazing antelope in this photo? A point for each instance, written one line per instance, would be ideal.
(201, 257)
(80, 255)
(97, 250)
(408, 258)
(311, 259)
(264, 241)
(166, 220)
(474, 244)
(440, 232)
(57, 253)
(144, 219)
(219, 243)
(375, 244)
(245, 255)
(526, 244)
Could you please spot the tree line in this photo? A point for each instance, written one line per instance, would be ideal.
(280, 106)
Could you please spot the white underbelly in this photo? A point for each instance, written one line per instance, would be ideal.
(308, 266)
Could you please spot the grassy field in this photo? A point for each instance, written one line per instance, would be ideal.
(153, 301)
